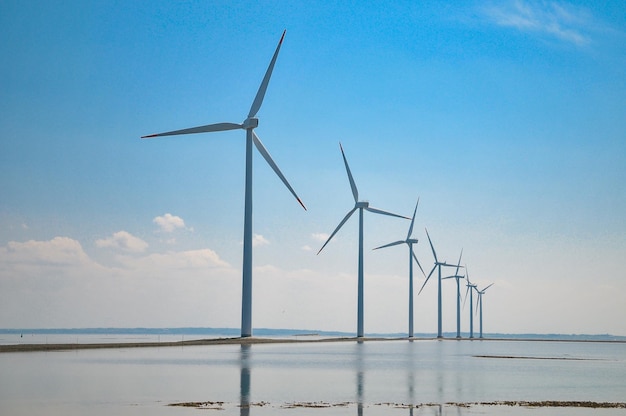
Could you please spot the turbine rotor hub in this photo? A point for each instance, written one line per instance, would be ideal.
(250, 123)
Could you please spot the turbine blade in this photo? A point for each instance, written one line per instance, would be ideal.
(431, 244)
(258, 100)
(478, 302)
(338, 227)
(465, 299)
(270, 161)
(395, 243)
(467, 276)
(459, 264)
(355, 192)
(450, 265)
(202, 129)
(380, 211)
(413, 220)
(426, 281)
(487, 288)
(418, 262)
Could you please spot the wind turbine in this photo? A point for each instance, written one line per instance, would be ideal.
(360, 205)
(438, 265)
(458, 295)
(409, 242)
(480, 304)
(470, 288)
(249, 124)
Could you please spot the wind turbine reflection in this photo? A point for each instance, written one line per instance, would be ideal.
(244, 381)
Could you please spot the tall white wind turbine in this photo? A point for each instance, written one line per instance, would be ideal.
(480, 304)
(458, 277)
(249, 124)
(409, 242)
(470, 290)
(438, 265)
(360, 205)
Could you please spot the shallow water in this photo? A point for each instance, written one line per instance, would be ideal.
(338, 378)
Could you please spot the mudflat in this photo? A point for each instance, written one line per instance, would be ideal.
(254, 340)
(216, 341)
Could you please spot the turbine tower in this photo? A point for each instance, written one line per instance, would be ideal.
(480, 304)
(458, 295)
(438, 265)
(409, 242)
(470, 288)
(249, 124)
(360, 205)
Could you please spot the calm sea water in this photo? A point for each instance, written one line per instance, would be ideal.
(340, 378)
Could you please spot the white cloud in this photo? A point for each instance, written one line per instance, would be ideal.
(552, 18)
(168, 222)
(306, 247)
(56, 284)
(124, 241)
(58, 251)
(259, 240)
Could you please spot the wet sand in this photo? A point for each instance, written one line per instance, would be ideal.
(216, 341)
(254, 340)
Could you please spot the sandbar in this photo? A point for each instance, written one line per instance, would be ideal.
(254, 340)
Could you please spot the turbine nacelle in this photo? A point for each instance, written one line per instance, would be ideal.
(250, 123)
(362, 204)
(411, 241)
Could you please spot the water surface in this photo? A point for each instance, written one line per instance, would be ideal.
(330, 378)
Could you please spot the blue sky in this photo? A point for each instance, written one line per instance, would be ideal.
(507, 119)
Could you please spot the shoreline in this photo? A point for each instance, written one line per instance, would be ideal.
(157, 344)
(8, 348)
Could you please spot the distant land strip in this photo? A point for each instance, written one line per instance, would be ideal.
(210, 332)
